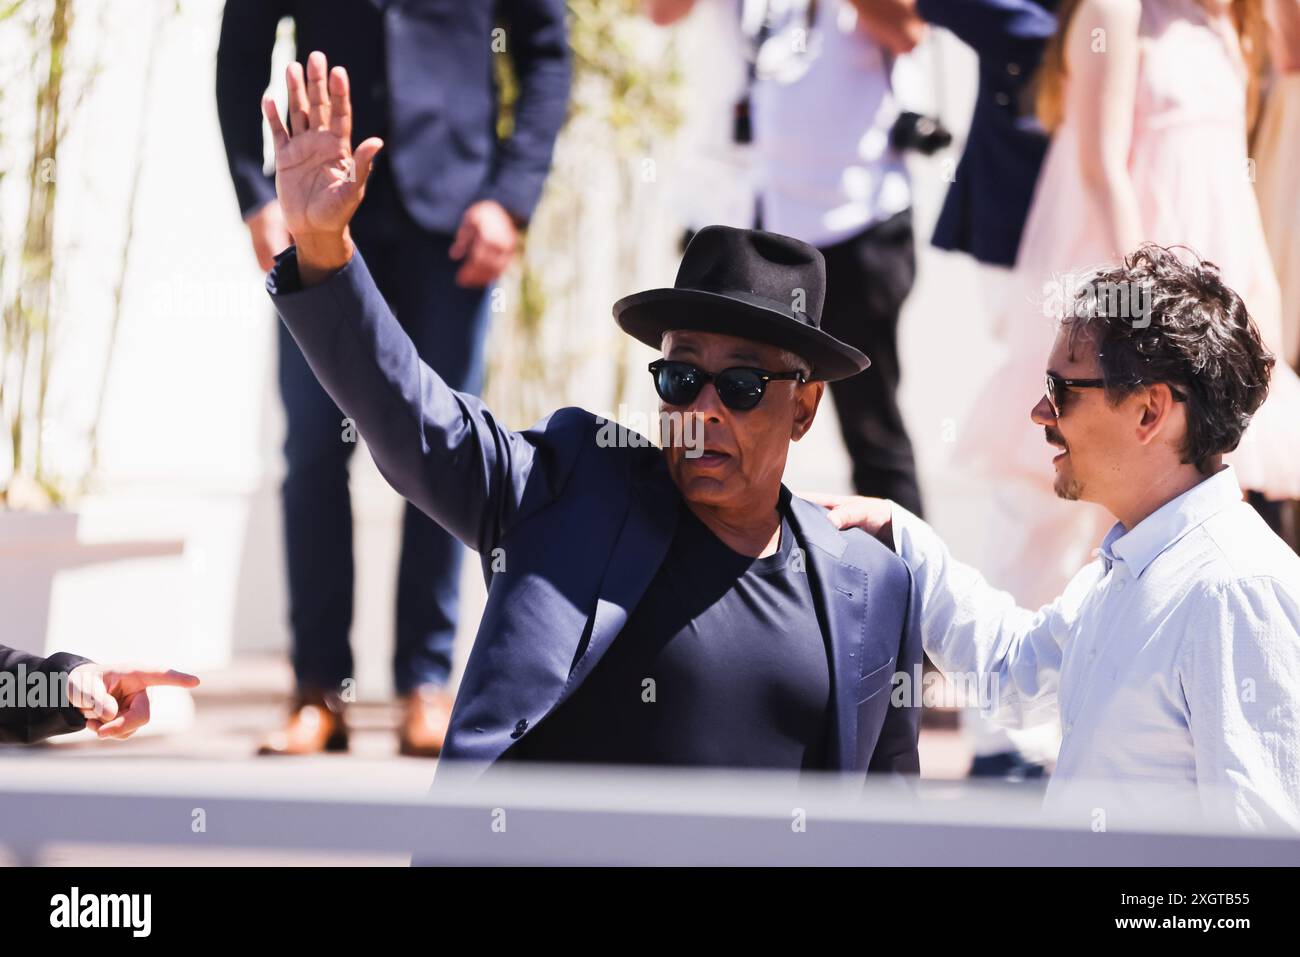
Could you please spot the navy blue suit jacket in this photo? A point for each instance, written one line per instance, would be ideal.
(985, 209)
(571, 530)
(422, 79)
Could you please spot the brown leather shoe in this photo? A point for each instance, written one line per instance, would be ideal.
(426, 712)
(316, 724)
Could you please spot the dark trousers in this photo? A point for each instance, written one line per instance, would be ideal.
(448, 326)
(867, 278)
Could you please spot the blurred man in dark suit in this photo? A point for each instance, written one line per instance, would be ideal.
(985, 209)
(445, 204)
(834, 177)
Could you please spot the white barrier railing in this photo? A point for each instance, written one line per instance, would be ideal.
(532, 816)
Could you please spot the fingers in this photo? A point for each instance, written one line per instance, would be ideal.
(88, 693)
(868, 514)
(114, 701)
(825, 499)
(853, 511)
(318, 96)
(485, 241)
(465, 234)
(298, 103)
(837, 517)
(279, 135)
(340, 104)
(160, 679)
(474, 274)
(102, 707)
(485, 264)
(364, 156)
(123, 682)
(481, 266)
(318, 99)
(265, 255)
(134, 715)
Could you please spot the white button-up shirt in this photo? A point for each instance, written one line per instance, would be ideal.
(1172, 661)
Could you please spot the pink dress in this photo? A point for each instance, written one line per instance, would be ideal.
(1277, 147)
(1188, 161)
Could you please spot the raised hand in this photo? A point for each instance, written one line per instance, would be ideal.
(319, 178)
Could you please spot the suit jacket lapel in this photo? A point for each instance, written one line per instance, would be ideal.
(839, 592)
(639, 551)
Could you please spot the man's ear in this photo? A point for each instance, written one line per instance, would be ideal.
(1155, 407)
(807, 397)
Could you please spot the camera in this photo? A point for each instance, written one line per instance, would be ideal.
(924, 134)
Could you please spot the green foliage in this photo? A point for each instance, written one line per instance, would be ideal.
(624, 103)
(28, 333)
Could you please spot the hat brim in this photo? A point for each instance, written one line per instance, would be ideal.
(646, 316)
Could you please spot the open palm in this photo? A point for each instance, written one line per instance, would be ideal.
(319, 178)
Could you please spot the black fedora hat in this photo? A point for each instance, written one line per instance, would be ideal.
(751, 284)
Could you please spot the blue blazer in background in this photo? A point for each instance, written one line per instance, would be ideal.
(985, 209)
(422, 80)
(571, 528)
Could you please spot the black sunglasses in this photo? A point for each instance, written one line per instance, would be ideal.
(1058, 388)
(739, 388)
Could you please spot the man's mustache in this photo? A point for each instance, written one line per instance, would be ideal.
(1055, 438)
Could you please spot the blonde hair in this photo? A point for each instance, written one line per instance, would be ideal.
(1049, 94)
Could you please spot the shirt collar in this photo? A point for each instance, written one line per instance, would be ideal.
(1170, 522)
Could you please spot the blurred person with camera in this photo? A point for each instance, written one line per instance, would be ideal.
(827, 144)
(447, 202)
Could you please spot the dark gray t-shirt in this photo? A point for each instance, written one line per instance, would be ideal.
(721, 664)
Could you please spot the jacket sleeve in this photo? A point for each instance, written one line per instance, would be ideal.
(49, 714)
(243, 71)
(897, 747)
(995, 29)
(443, 450)
(538, 45)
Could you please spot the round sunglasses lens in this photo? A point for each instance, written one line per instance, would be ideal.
(677, 383)
(739, 389)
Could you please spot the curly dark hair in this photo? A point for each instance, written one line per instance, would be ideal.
(1164, 317)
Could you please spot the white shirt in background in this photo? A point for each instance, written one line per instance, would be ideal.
(825, 168)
